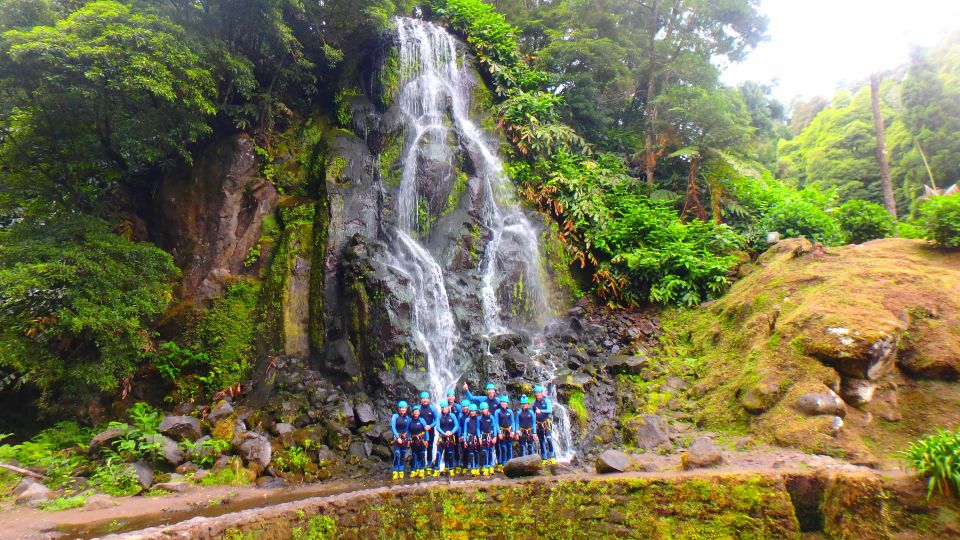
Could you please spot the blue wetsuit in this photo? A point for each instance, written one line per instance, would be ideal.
(544, 420)
(429, 413)
(418, 443)
(461, 456)
(488, 434)
(492, 403)
(400, 425)
(527, 429)
(447, 446)
(507, 424)
(470, 434)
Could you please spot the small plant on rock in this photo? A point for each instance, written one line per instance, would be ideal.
(937, 457)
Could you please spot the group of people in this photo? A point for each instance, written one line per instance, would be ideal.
(475, 436)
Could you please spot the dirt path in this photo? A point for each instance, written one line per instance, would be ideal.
(179, 513)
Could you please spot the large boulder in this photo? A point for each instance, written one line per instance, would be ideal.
(104, 439)
(254, 448)
(529, 465)
(170, 450)
(701, 454)
(220, 411)
(650, 432)
(626, 364)
(827, 402)
(181, 428)
(29, 492)
(613, 461)
(365, 415)
(143, 473)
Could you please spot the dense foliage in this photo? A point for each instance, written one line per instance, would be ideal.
(862, 221)
(76, 302)
(942, 219)
(937, 458)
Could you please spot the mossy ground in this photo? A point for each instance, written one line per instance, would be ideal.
(770, 332)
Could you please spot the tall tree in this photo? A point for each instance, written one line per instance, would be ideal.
(888, 201)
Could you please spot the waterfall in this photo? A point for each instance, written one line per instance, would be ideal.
(434, 99)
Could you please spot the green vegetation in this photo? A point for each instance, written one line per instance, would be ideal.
(227, 331)
(942, 220)
(863, 221)
(76, 302)
(318, 528)
(65, 503)
(936, 457)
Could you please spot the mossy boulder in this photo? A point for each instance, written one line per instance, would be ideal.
(877, 324)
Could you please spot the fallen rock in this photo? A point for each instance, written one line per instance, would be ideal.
(254, 448)
(170, 450)
(626, 364)
(181, 428)
(813, 404)
(220, 411)
(174, 487)
(103, 440)
(29, 492)
(364, 414)
(613, 461)
(701, 454)
(760, 397)
(530, 465)
(143, 472)
(99, 501)
(650, 432)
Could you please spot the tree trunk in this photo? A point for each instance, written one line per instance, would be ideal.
(692, 203)
(888, 201)
(649, 110)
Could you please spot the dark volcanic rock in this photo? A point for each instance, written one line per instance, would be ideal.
(103, 440)
(626, 364)
(254, 448)
(220, 411)
(814, 404)
(181, 427)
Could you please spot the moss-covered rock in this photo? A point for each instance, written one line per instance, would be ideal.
(869, 322)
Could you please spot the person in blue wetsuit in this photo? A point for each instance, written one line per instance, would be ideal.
(488, 438)
(429, 413)
(418, 442)
(490, 399)
(447, 429)
(543, 412)
(400, 426)
(461, 454)
(507, 426)
(526, 426)
(470, 435)
(452, 400)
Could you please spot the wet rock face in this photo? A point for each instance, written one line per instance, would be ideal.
(209, 216)
(530, 465)
(181, 427)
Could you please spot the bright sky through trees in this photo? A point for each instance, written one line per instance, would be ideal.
(816, 45)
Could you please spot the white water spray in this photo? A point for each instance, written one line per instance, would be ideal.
(435, 99)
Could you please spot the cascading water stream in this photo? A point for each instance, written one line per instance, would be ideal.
(435, 100)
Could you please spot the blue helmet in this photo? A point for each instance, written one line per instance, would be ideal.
(538, 388)
(473, 407)
(483, 406)
(416, 407)
(504, 399)
(451, 392)
(524, 400)
(424, 395)
(491, 386)
(402, 405)
(465, 403)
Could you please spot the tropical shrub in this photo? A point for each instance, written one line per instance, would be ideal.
(937, 458)
(863, 221)
(58, 450)
(639, 248)
(942, 220)
(75, 302)
(796, 217)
